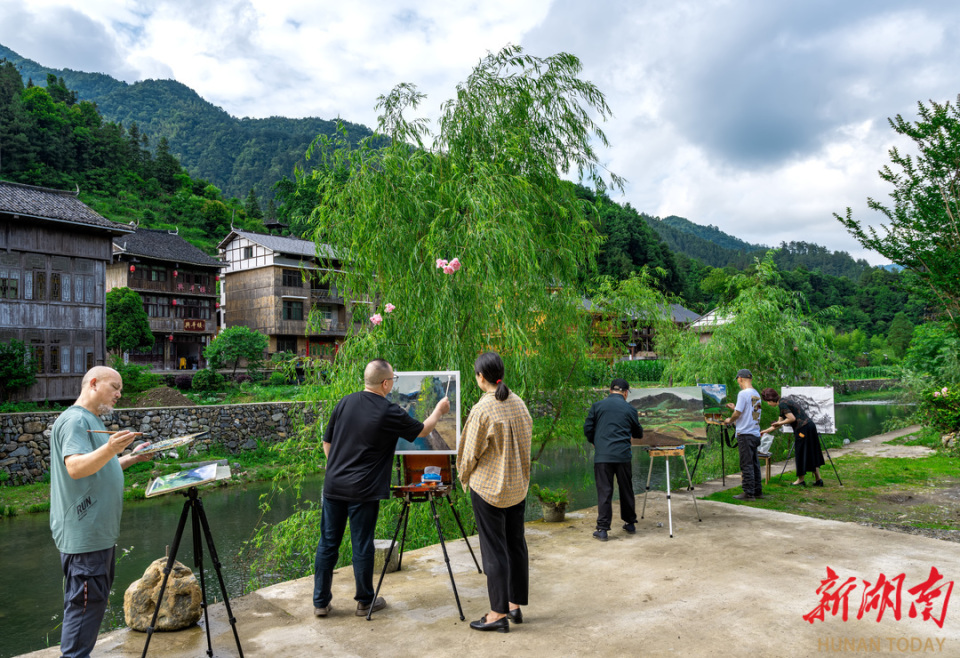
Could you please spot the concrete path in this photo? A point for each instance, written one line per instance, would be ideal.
(736, 584)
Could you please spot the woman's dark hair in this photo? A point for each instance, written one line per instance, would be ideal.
(770, 395)
(490, 365)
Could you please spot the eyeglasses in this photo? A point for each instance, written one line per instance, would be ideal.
(395, 379)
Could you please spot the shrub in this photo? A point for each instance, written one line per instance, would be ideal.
(544, 495)
(241, 378)
(207, 380)
(940, 409)
(277, 379)
(136, 379)
(639, 371)
(183, 382)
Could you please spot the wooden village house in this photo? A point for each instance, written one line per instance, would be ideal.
(178, 285)
(630, 337)
(54, 251)
(274, 284)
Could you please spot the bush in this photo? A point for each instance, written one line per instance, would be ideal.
(597, 373)
(241, 378)
(277, 379)
(544, 495)
(136, 379)
(183, 382)
(940, 409)
(207, 380)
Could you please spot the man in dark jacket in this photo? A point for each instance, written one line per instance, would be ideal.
(610, 425)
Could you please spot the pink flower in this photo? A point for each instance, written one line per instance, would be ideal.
(936, 394)
(376, 318)
(441, 263)
(389, 308)
(455, 264)
(448, 270)
(944, 390)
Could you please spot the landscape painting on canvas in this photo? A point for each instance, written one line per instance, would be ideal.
(818, 403)
(714, 399)
(669, 416)
(418, 393)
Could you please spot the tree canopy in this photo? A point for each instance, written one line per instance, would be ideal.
(923, 233)
(236, 344)
(128, 327)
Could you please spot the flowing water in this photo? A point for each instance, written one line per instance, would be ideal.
(31, 592)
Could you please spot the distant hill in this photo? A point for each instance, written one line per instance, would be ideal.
(712, 246)
(233, 154)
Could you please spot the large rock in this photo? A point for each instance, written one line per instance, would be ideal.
(181, 599)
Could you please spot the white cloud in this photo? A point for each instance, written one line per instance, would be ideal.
(760, 118)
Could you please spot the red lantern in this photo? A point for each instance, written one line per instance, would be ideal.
(174, 302)
(170, 338)
(216, 305)
(133, 268)
(174, 274)
(216, 278)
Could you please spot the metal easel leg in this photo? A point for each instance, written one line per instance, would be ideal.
(690, 483)
(666, 460)
(401, 521)
(647, 490)
(446, 558)
(463, 532)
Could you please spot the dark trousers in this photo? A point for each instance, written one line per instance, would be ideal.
(333, 522)
(747, 445)
(604, 474)
(503, 550)
(88, 578)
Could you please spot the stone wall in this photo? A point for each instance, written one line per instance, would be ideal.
(858, 385)
(25, 438)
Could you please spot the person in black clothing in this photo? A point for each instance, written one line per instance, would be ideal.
(806, 437)
(359, 443)
(610, 425)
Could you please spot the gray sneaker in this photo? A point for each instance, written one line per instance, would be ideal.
(322, 612)
(364, 608)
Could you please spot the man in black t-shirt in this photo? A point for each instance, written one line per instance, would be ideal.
(359, 443)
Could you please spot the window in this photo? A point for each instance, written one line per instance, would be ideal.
(66, 288)
(89, 358)
(38, 354)
(55, 290)
(325, 312)
(9, 284)
(248, 252)
(54, 358)
(292, 279)
(39, 285)
(292, 310)
(158, 274)
(287, 344)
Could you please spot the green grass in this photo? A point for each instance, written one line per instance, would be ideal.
(894, 393)
(899, 491)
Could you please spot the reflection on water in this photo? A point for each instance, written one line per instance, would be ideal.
(30, 581)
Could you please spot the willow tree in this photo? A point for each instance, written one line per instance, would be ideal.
(463, 236)
(765, 329)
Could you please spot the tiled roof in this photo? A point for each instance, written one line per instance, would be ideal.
(712, 320)
(162, 245)
(55, 205)
(282, 244)
(677, 312)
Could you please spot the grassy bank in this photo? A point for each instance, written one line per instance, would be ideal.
(886, 491)
(862, 396)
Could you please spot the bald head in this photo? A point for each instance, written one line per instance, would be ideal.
(100, 389)
(376, 372)
(98, 372)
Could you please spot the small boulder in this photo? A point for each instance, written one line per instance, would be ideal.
(181, 599)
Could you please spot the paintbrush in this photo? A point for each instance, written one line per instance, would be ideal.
(111, 432)
(448, 386)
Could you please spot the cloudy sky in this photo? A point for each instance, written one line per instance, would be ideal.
(759, 117)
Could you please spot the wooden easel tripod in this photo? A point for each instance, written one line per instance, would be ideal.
(411, 491)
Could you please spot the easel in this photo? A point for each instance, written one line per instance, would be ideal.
(822, 447)
(194, 507)
(667, 452)
(411, 491)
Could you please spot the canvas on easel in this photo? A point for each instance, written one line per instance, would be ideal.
(188, 478)
(417, 393)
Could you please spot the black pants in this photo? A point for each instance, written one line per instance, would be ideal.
(333, 524)
(604, 474)
(88, 578)
(747, 445)
(503, 550)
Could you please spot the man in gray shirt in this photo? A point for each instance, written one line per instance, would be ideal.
(746, 416)
(86, 499)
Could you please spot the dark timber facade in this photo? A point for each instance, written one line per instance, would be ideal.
(54, 251)
(178, 285)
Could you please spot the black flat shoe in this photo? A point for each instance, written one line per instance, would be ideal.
(501, 625)
(798, 484)
(515, 616)
(818, 483)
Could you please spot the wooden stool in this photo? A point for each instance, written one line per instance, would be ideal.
(766, 461)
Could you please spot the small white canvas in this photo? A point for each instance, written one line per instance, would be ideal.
(818, 402)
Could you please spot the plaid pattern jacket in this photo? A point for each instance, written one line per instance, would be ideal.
(494, 455)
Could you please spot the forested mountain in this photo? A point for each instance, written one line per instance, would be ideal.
(236, 155)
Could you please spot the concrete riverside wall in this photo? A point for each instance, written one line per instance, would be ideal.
(25, 437)
(858, 385)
